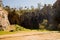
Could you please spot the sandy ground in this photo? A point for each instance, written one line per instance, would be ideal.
(32, 36)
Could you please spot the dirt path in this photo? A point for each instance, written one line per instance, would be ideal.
(32, 36)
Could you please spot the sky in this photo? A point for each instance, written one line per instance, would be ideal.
(28, 3)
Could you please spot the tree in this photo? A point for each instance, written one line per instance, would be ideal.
(32, 8)
(7, 8)
(13, 16)
(56, 15)
(39, 5)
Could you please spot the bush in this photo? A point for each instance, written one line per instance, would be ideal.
(20, 28)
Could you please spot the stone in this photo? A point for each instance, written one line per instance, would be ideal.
(4, 22)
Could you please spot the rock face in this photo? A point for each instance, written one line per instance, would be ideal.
(4, 23)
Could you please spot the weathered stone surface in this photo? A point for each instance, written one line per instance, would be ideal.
(4, 23)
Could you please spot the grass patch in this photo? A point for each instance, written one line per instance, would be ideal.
(20, 29)
(5, 32)
(25, 31)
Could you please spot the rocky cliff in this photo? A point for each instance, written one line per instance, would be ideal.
(4, 23)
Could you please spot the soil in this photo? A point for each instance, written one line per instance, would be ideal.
(32, 36)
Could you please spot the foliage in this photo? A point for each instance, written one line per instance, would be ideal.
(20, 28)
(34, 18)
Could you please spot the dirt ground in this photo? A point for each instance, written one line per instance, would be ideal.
(32, 36)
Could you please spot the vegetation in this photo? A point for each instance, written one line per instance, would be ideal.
(20, 28)
(47, 17)
(5, 32)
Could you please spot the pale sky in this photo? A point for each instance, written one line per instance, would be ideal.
(28, 3)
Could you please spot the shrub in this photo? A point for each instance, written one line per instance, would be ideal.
(20, 28)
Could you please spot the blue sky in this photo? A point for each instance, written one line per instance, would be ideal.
(28, 3)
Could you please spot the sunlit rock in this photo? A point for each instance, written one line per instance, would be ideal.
(3, 19)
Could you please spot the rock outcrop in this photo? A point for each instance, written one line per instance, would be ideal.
(4, 23)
